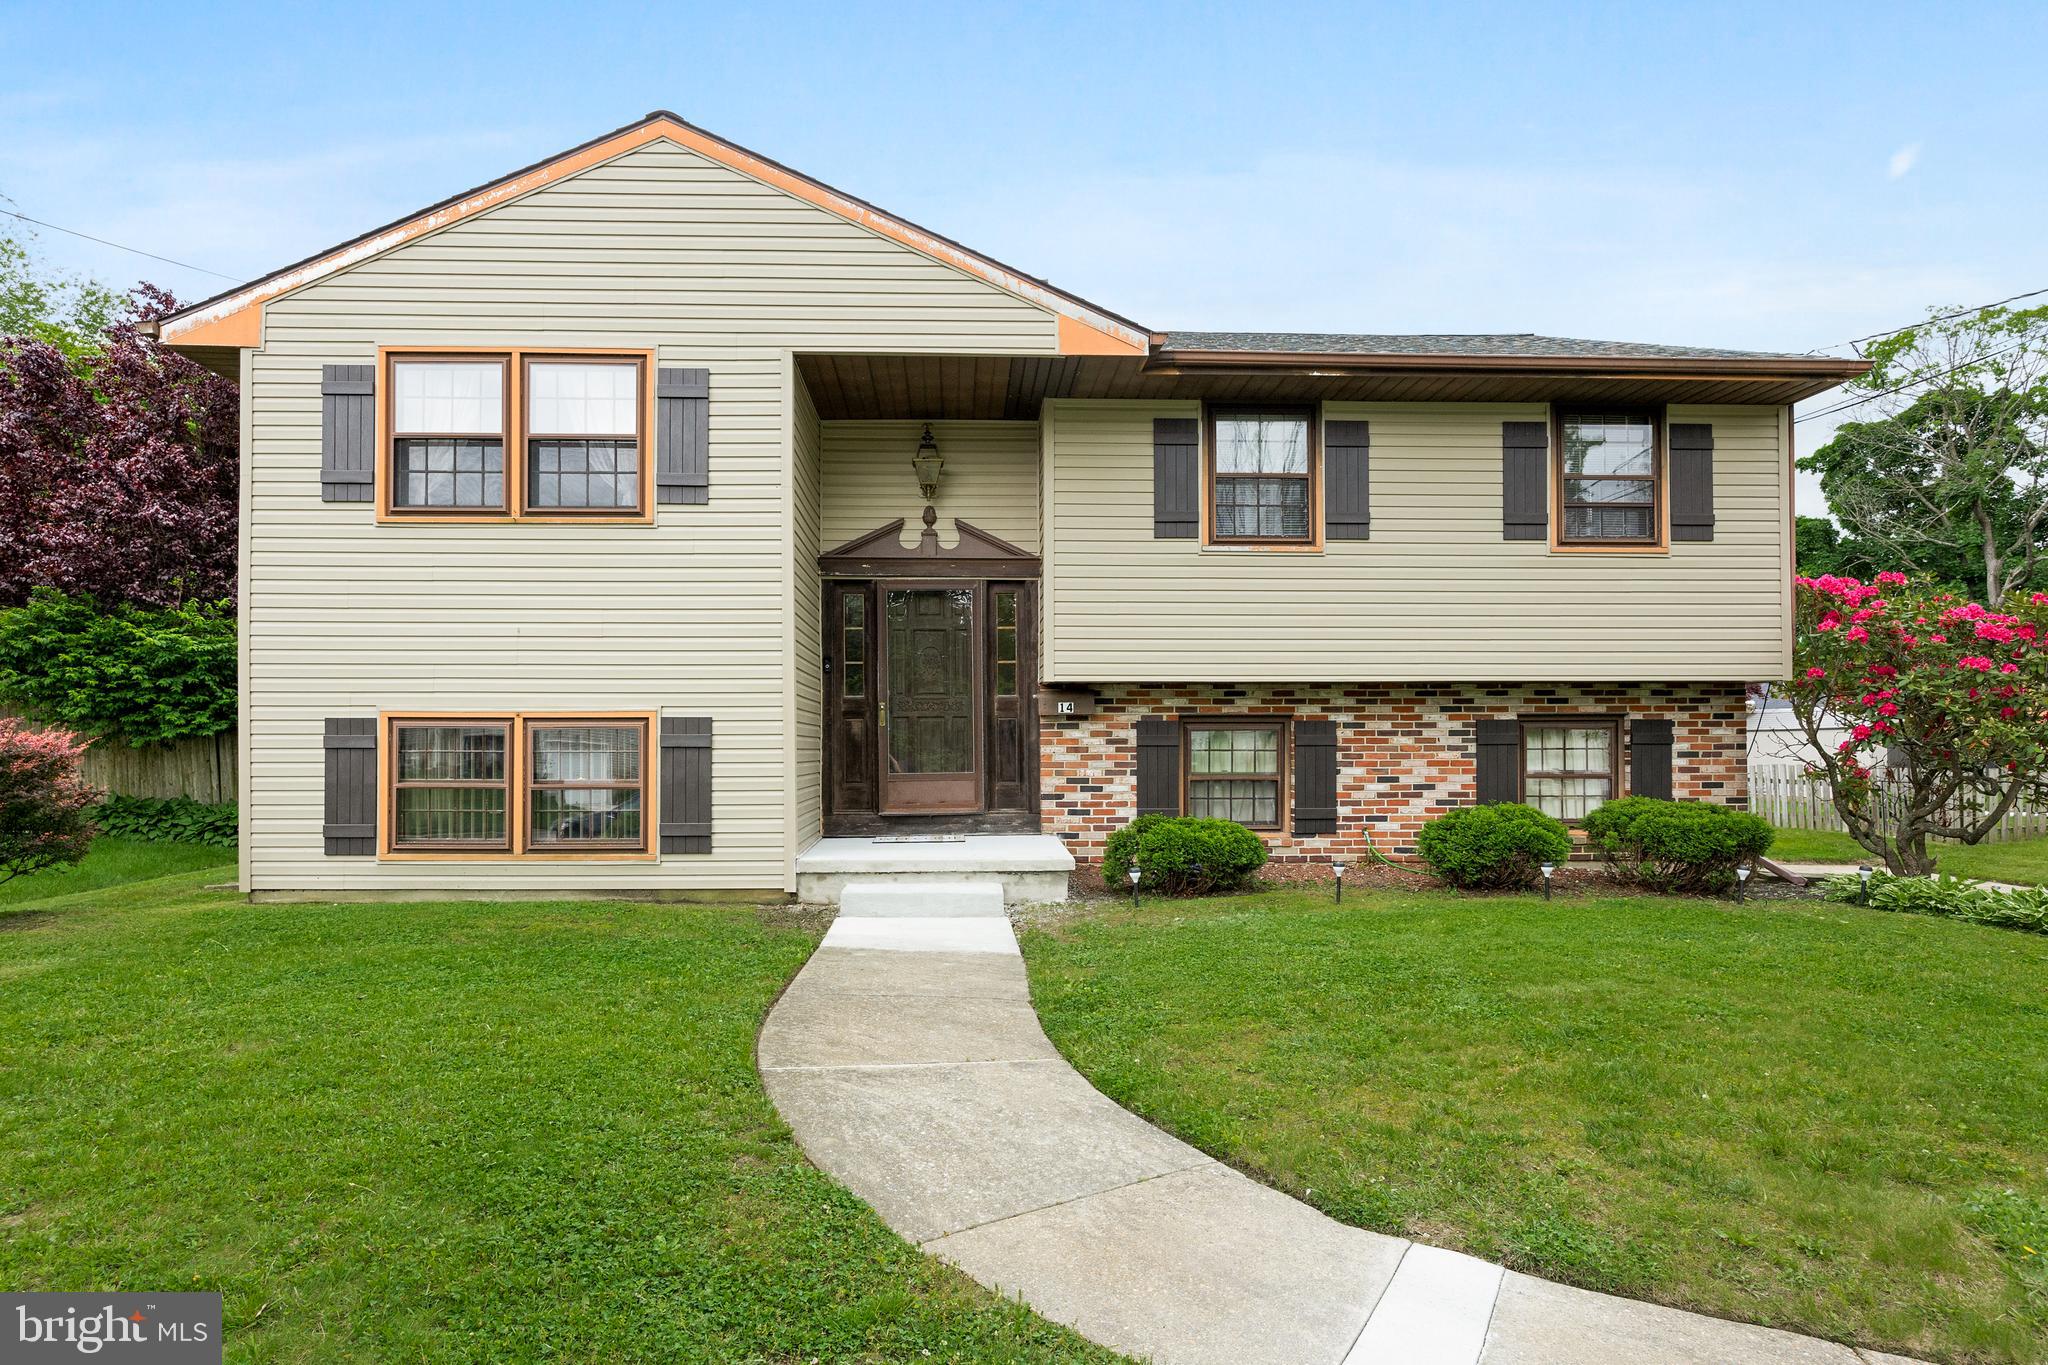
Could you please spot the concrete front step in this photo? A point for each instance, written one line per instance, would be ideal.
(1029, 868)
(876, 897)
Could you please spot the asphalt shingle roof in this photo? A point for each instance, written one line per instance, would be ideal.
(1520, 344)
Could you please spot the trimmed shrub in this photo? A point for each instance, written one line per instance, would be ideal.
(45, 805)
(1682, 847)
(1948, 897)
(1501, 847)
(1178, 855)
(147, 676)
(171, 820)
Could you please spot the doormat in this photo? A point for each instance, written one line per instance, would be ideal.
(919, 839)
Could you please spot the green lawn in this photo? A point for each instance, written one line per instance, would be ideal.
(112, 862)
(2024, 860)
(1821, 1117)
(448, 1132)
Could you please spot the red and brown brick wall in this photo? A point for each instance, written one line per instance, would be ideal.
(1405, 753)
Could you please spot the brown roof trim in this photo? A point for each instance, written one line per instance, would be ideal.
(200, 323)
(1831, 368)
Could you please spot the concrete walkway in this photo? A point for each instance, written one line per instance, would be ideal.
(908, 1060)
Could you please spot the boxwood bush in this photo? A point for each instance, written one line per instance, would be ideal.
(172, 820)
(1684, 847)
(1499, 847)
(1178, 855)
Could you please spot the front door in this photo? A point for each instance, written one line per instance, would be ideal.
(930, 702)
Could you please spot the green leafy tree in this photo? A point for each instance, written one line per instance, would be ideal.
(69, 312)
(1952, 481)
(144, 676)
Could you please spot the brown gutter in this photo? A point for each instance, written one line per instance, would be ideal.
(1832, 368)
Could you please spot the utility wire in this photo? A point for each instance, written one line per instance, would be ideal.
(182, 265)
(1938, 317)
(1910, 383)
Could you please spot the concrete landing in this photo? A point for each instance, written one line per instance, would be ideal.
(908, 1061)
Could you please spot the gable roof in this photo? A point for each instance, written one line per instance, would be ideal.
(234, 317)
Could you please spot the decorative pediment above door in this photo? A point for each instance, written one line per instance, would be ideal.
(881, 553)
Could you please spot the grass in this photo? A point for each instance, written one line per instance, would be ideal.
(112, 862)
(1816, 1116)
(442, 1132)
(2023, 860)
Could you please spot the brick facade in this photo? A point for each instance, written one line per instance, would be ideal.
(1404, 752)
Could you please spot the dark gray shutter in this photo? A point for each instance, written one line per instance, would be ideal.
(682, 437)
(1176, 478)
(1692, 481)
(1649, 758)
(348, 432)
(350, 819)
(686, 784)
(1499, 761)
(1347, 481)
(1158, 767)
(1524, 480)
(1315, 775)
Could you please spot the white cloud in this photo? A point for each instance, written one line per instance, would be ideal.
(1903, 160)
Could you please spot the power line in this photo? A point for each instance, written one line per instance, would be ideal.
(1938, 317)
(1910, 383)
(182, 265)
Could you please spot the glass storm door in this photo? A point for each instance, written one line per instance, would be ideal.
(931, 716)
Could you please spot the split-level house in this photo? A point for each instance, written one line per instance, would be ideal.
(644, 518)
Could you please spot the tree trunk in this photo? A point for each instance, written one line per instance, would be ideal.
(1994, 563)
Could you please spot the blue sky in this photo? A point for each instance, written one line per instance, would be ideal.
(1779, 176)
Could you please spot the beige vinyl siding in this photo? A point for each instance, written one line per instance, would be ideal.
(693, 616)
(807, 644)
(990, 479)
(1435, 595)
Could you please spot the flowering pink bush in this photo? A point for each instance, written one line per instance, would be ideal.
(45, 804)
(1965, 720)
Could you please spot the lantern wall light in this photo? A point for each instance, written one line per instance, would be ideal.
(927, 464)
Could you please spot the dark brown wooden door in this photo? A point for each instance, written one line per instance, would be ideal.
(1012, 682)
(930, 722)
(852, 685)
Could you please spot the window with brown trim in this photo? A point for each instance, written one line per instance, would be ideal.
(519, 785)
(448, 422)
(1236, 770)
(1609, 477)
(1262, 475)
(586, 785)
(1570, 764)
(451, 787)
(584, 445)
(516, 434)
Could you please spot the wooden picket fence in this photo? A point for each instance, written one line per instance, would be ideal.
(1787, 797)
(203, 769)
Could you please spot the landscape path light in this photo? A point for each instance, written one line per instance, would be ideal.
(1864, 873)
(1337, 866)
(1549, 871)
(1132, 876)
(1741, 880)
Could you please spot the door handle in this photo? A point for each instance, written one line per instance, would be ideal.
(882, 714)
